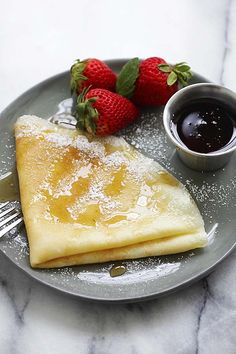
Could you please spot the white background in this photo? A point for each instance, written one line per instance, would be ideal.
(41, 38)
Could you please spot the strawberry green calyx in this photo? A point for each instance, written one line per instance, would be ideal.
(178, 72)
(125, 84)
(85, 113)
(77, 76)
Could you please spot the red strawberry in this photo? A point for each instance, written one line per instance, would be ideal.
(102, 112)
(151, 82)
(91, 72)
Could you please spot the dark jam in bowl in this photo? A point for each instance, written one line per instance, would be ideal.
(205, 126)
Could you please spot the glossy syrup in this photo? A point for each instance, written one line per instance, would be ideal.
(205, 126)
(117, 270)
(9, 190)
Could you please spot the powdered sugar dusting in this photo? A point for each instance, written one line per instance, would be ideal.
(94, 148)
(115, 141)
(32, 126)
(214, 192)
(116, 159)
(58, 139)
(213, 195)
(35, 126)
(148, 136)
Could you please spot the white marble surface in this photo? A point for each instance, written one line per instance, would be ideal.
(41, 38)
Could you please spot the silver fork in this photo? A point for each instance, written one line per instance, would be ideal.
(9, 218)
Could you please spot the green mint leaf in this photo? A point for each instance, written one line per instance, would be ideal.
(125, 84)
(172, 78)
(165, 68)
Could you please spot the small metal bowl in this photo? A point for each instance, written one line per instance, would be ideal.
(195, 160)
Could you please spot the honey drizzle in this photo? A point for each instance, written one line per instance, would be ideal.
(117, 185)
(109, 193)
(117, 270)
(9, 190)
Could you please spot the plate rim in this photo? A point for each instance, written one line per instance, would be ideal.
(126, 299)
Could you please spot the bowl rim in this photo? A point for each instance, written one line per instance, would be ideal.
(176, 142)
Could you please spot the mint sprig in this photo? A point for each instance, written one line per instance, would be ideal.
(125, 84)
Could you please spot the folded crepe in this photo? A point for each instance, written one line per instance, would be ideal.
(92, 200)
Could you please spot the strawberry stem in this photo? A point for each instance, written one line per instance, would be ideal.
(77, 76)
(180, 72)
(85, 113)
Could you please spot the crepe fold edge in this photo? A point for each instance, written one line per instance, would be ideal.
(158, 247)
(57, 241)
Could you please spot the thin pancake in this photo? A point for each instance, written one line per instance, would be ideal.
(89, 201)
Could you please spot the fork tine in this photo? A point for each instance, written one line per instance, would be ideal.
(3, 204)
(5, 212)
(11, 226)
(5, 221)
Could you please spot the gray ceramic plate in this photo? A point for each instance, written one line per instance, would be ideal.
(215, 194)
